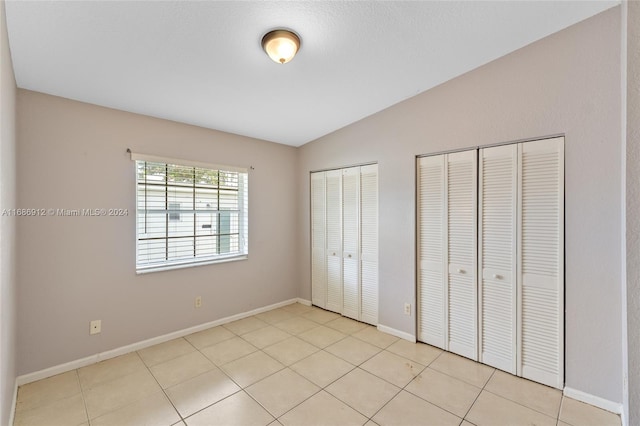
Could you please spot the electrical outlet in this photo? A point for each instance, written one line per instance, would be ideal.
(198, 302)
(95, 327)
(407, 309)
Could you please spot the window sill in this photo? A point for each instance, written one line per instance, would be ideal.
(169, 267)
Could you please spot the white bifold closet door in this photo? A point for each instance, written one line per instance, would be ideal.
(521, 259)
(517, 312)
(351, 242)
(497, 224)
(432, 246)
(333, 226)
(369, 243)
(344, 246)
(318, 240)
(462, 214)
(541, 261)
(447, 249)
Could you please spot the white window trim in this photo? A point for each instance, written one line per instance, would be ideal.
(182, 265)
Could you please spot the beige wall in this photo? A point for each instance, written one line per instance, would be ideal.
(8, 290)
(75, 269)
(567, 83)
(633, 208)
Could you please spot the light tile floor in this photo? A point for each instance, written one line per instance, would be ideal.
(296, 365)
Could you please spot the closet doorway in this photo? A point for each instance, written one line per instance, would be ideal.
(490, 256)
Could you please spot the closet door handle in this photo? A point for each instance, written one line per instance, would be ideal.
(349, 255)
(333, 254)
(461, 271)
(497, 277)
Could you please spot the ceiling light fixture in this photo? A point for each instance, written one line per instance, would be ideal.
(281, 45)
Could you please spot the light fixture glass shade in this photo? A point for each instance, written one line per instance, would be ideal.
(281, 45)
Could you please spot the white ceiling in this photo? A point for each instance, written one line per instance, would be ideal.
(200, 62)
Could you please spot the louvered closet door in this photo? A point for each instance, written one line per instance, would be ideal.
(369, 243)
(432, 247)
(461, 182)
(497, 254)
(318, 240)
(351, 242)
(541, 265)
(334, 240)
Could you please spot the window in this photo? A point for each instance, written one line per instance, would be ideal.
(189, 215)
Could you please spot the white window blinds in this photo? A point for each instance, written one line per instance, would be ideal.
(188, 214)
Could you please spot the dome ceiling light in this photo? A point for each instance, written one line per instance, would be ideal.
(281, 45)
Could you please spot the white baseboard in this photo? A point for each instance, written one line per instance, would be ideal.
(14, 401)
(92, 359)
(304, 301)
(596, 401)
(397, 333)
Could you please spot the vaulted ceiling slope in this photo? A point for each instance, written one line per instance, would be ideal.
(200, 62)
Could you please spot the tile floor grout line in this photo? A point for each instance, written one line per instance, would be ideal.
(401, 389)
(244, 356)
(560, 406)
(84, 402)
(394, 396)
(168, 359)
(211, 405)
(519, 403)
(419, 343)
(344, 360)
(374, 328)
(560, 410)
(268, 375)
(294, 407)
(112, 380)
(506, 397)
(479, 393)
(404, 388)
(189, 342)
(383, 405)
(301, 359)
(161, 388)
(336, 355)
(459, 379)
(213, 344)
(330, 344)
(433, 403)
(382, 378)
(258, 402)
(333, 381)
